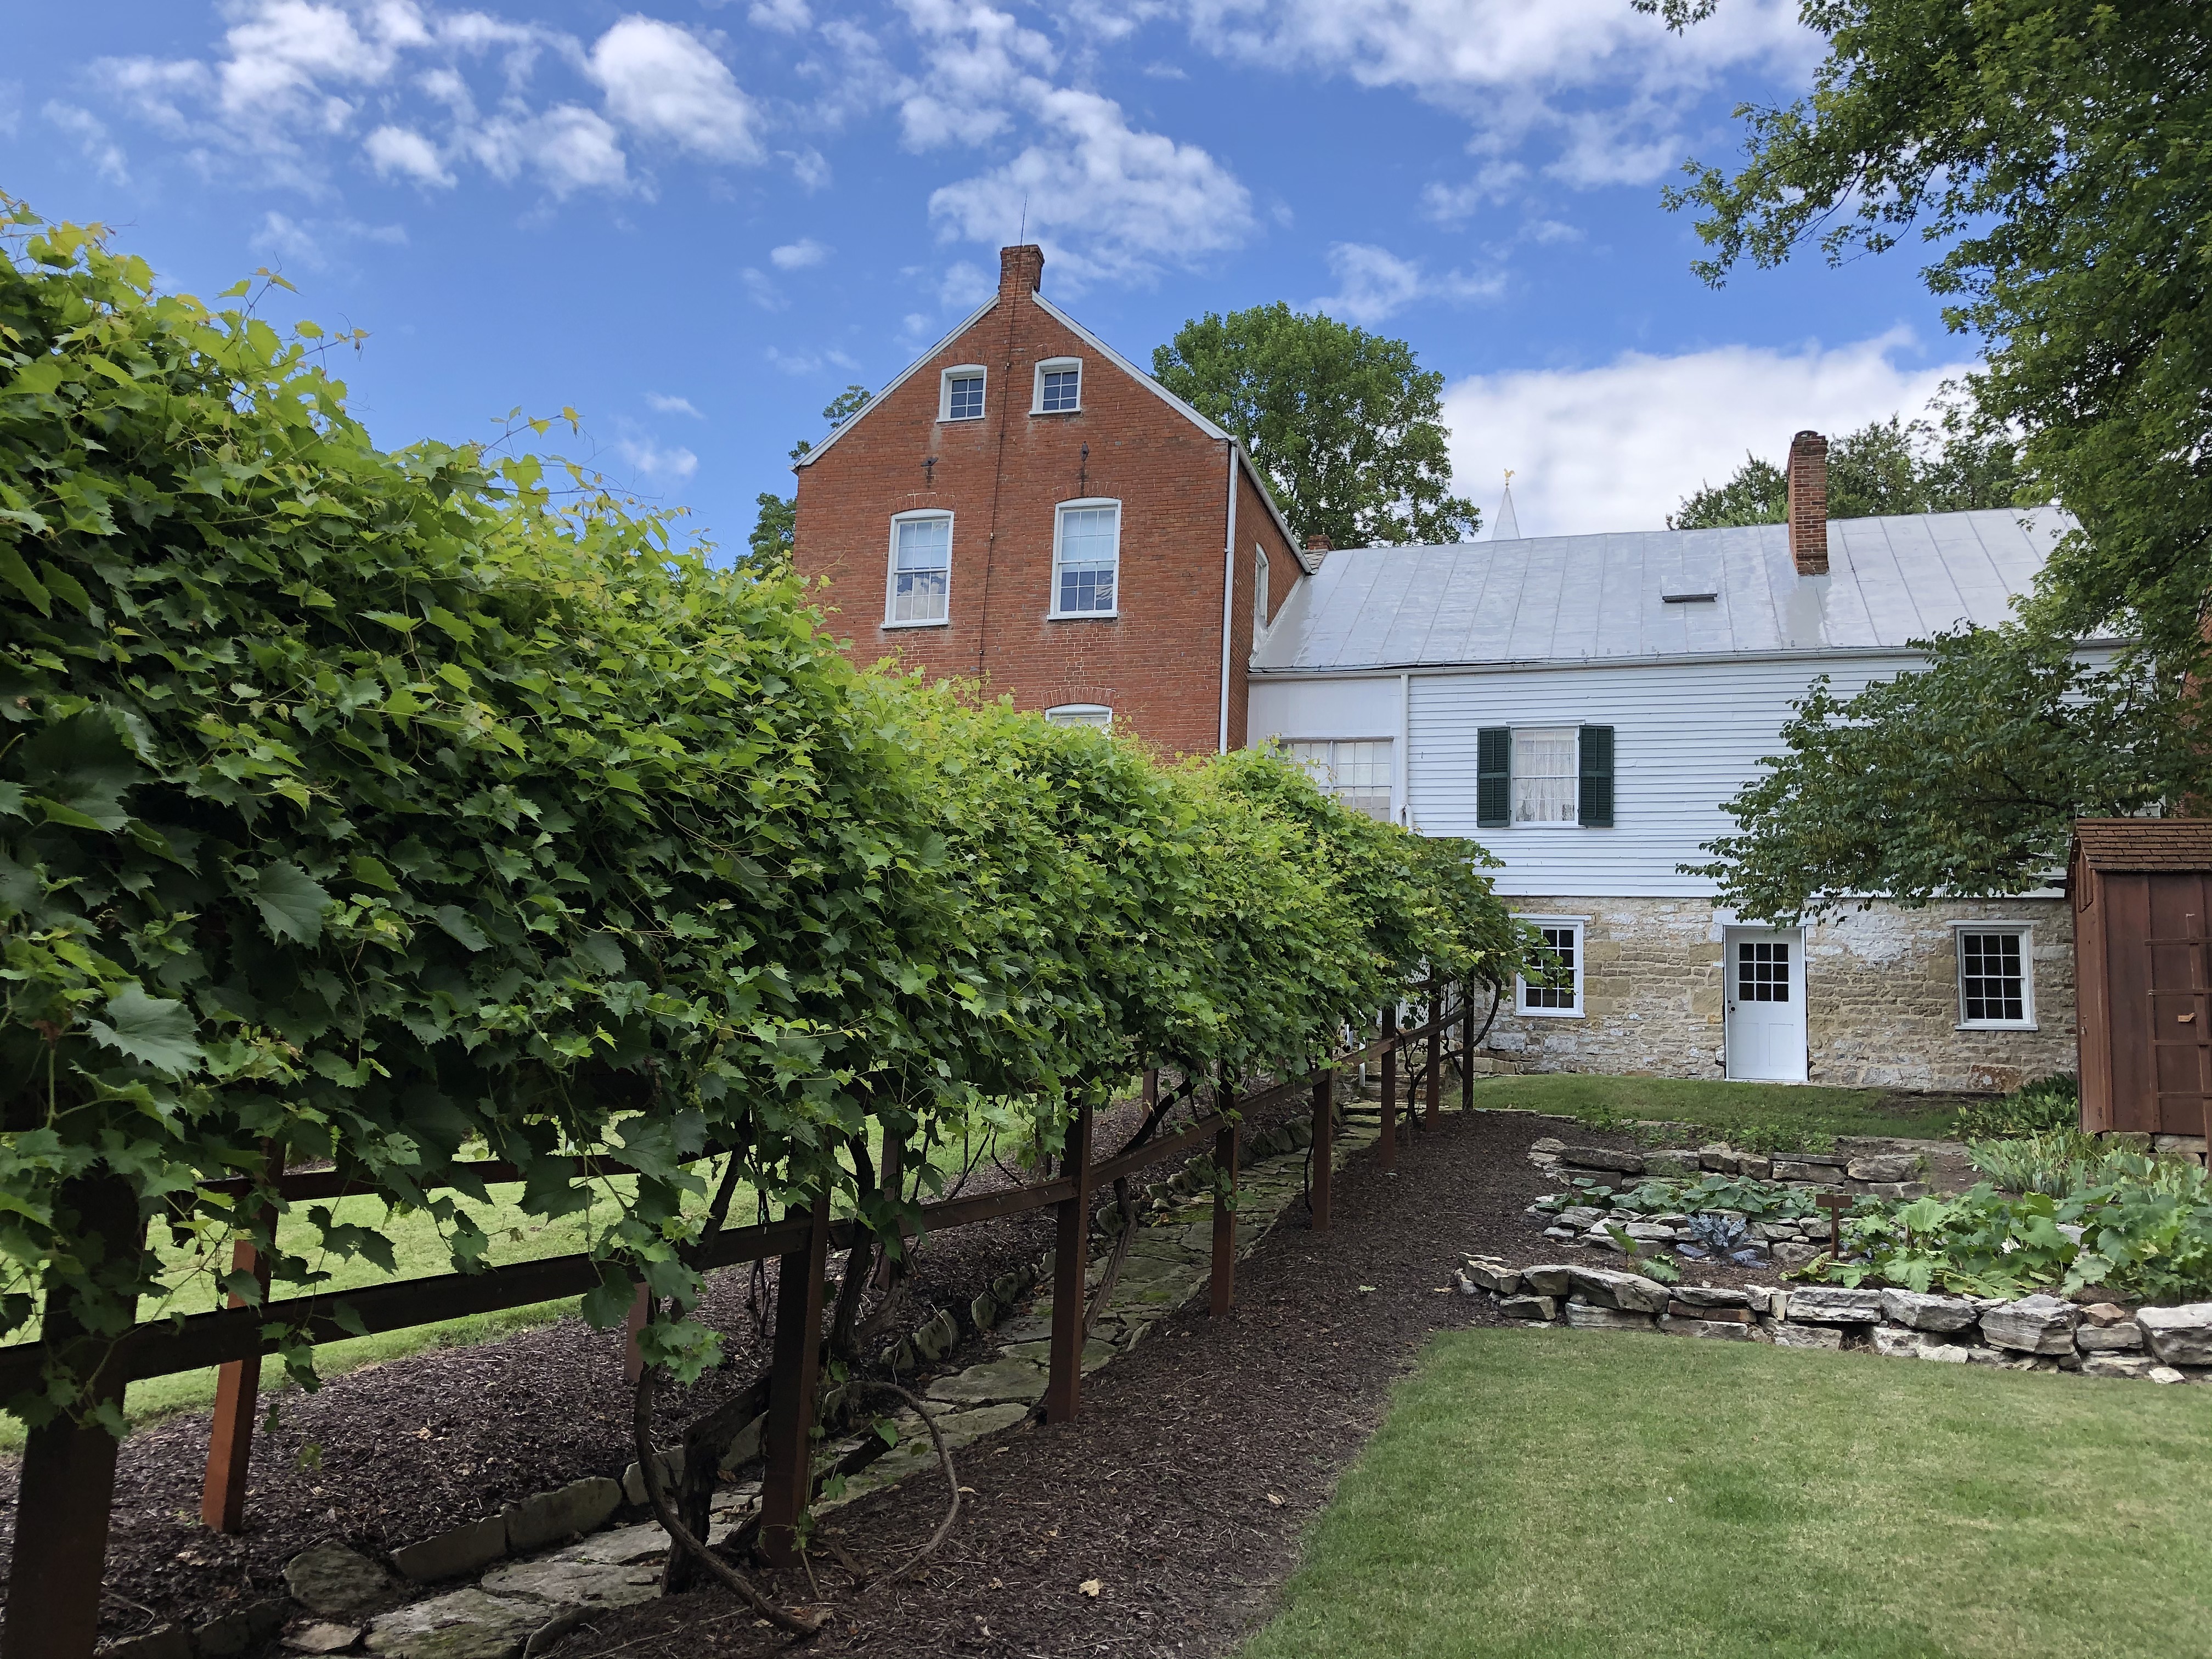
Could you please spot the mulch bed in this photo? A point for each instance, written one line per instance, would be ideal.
(394, 1453)
(1180, 1492)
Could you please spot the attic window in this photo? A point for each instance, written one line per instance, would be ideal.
(1687, 598)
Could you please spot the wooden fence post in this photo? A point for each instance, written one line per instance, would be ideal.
(237, 1390)
(1224, 1212)
(1324, 1147)
(1389, 1142)
(68, 1481)
(786, 1479)
(1435, 1072)
(1466, 1046)
(1070, 1267)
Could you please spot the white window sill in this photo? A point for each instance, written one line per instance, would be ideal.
(1043, 412)
(1081, 616)
(958, 420)
(928, 622)
(1549, 1014)
(1996, 1025)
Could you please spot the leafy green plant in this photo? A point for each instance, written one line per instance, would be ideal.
(2047, 1103)
(2057, 1162)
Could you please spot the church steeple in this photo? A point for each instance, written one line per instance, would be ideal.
(1506, 527)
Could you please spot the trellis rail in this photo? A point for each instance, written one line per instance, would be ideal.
(67, 1483)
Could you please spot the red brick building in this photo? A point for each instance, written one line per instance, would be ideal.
(1026, 505)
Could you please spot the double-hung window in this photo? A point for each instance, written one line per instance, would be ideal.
(1086, 559)
(961, 398)
(1059, 386)
(1531, 776)
(1996, 975)
(1356, 770)
(1550, 984)
(922, 570)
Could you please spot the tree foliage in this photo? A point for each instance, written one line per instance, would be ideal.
(1962, 779)
(775, 522)
(407, 808)
(1344, 425)
(1885, 467)
(2053, 152)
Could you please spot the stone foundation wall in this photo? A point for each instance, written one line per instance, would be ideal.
(1881, 989)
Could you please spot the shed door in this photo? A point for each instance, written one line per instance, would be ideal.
(2180, 1004)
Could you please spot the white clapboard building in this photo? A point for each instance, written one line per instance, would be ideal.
(1583, 706)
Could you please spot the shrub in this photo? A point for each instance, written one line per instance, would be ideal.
(2047, 1103)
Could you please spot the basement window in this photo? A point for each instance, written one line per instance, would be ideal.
(1550, 986)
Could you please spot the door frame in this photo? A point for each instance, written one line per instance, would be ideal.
(1731, 935)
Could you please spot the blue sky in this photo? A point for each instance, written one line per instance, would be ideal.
(697, 222)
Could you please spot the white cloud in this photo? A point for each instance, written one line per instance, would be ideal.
(1373, 283)
(655, 462)
(761, 291)
(979, 59)
(91, 135)
(662, 404)
(307, 243)
(784, 16)
(1105, 200)
(810, 167)
(797, 256)
(1617, 447)
(965, 286)
(568, 147)
(666, 84)
(404, 151)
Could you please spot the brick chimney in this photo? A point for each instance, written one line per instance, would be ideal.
(1021, 271)
(1317, 542)
(1809, 504)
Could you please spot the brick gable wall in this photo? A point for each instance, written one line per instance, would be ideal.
(1158, 663)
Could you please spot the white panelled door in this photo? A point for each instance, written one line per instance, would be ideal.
(1765, 1029)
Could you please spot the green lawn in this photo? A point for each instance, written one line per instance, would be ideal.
(1768, 1116)
(1546, 1494)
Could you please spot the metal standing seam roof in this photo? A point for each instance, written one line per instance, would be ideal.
(1576, 599)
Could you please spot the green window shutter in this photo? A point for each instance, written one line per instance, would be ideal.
(1597, 792)
(1493, 777)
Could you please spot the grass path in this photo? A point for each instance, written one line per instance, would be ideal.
(1785, 1114)
(1565, 1495)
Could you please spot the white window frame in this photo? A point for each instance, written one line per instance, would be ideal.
(892, 570)
(1330, 786)
(2025, 931)
(1258, 592)
(1573, 820)
(1056, 366)
(1059, 512)
(1079, 714)
(1578, 926)
(961, 372)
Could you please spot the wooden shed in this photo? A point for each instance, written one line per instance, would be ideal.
(2142, 889)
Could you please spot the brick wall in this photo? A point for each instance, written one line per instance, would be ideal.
(1881, 997)
(1158, 663)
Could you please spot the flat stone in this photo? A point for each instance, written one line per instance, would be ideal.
(235, 1632)
(1924, 1312)
(1095, 1353)
(1882, 1168)
(1708, 1296)
(1490, 1274)
(330, 1578)
(1679, 1309)
(1835, 1160)
(580, 1506)
(2106, 1313)
(1547, 1144)
(1902, 1191)
(1674, 1165)
(1719, 1329)
(1896, 1342)
(1835, 1304)
(162, 1642)
(1788, 1255)
(1000, 1379)
(672, 1467)
(1650, 1232)
(620, 1545)
(2165, 1374)
(1604, 1287)
(465, 1624)
(1030, 1327)
(1789, 1334)
(1581, 1317)
(1803, 1169)
(1541, 1308)
(1943, 1354)
(1755, 1167)
(577, 1583)
(1582, 1215)
(2108, 1338)
(319, 1636)
(2179, 1336)
(2178, 1144)
(939, 1336)
(1551, 1278)
(1602, 1157)
(2034, 1324)
(457, 1550)
(2132, 1366)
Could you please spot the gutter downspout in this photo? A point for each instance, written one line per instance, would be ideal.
(1228, 595)
(1406, 750)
